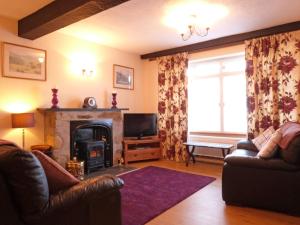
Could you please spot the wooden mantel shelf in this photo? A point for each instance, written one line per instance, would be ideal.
(81, 109)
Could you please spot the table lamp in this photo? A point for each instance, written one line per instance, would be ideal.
(22, 120)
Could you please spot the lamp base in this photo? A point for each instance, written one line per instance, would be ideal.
(23, 138)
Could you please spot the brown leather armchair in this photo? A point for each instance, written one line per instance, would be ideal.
(270, 184)
(25, 198)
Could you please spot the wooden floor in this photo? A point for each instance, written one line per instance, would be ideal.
(206, 206)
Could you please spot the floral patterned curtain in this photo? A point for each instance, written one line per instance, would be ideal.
(172, 105)
(273, 81)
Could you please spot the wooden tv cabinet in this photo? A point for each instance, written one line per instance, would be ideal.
(143, 149)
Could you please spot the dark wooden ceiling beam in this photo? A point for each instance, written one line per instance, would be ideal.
(59, 14)
(225, 41)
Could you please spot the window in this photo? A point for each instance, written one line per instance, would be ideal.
(217, 95)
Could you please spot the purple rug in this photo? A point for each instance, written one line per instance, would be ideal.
(152, 190)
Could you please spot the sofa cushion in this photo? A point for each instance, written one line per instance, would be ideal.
(289, 130)
(58, 178)
(269, 149)
(26, 180)
(263, 138)
(292, 153)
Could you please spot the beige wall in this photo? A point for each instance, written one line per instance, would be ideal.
(218, 52)
(63, 71)
(150, 70)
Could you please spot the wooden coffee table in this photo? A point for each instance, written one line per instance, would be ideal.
(190, 152)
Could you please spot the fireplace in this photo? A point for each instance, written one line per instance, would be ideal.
(92, 153)
(57, 129)
(91, 141)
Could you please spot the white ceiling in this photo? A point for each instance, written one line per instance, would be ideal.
(17, 9)
(136, 26)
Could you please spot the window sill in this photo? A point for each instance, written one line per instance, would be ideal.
(226, 138)
(218, 134)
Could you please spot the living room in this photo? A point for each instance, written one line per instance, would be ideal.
(81, 59)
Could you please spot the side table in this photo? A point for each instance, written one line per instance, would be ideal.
(190, 153)
(46, 149)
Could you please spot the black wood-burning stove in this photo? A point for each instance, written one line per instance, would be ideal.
(91, 141)
(92, 153)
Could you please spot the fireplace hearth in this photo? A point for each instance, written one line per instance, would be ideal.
(91, 141)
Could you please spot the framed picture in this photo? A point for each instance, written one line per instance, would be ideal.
(23, 62)
(123, 77)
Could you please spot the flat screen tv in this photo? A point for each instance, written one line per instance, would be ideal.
(139, 125)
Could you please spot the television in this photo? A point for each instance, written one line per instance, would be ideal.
(139, 125)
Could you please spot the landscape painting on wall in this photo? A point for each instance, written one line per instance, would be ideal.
(23, 62)
(123, 77)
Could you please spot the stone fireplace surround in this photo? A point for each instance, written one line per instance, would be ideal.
(57, 129)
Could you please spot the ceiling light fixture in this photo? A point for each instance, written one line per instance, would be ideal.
(194, 29)
(193, 17)
(85, 73)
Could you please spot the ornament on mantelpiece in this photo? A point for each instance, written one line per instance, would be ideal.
(89, 102)
(114, 100)
(54, 98)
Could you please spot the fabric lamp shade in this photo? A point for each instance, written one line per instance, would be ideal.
(22, 120)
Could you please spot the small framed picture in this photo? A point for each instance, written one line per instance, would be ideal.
(23, 62)
(123, 77)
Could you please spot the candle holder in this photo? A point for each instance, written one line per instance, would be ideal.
(54, 98)
(114, 101)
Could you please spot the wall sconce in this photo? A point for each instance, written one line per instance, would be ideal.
(22, 120)
(87, 74)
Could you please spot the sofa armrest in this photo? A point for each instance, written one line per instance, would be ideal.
(86, 191)
(8, 212)
(247, 144)
(245, 158)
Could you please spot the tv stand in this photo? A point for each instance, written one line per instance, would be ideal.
(141, 149)
(143, 138)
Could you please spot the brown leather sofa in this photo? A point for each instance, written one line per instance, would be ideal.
(272, 184)
(25, 198)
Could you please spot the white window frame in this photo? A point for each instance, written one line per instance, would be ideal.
(221, 75)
